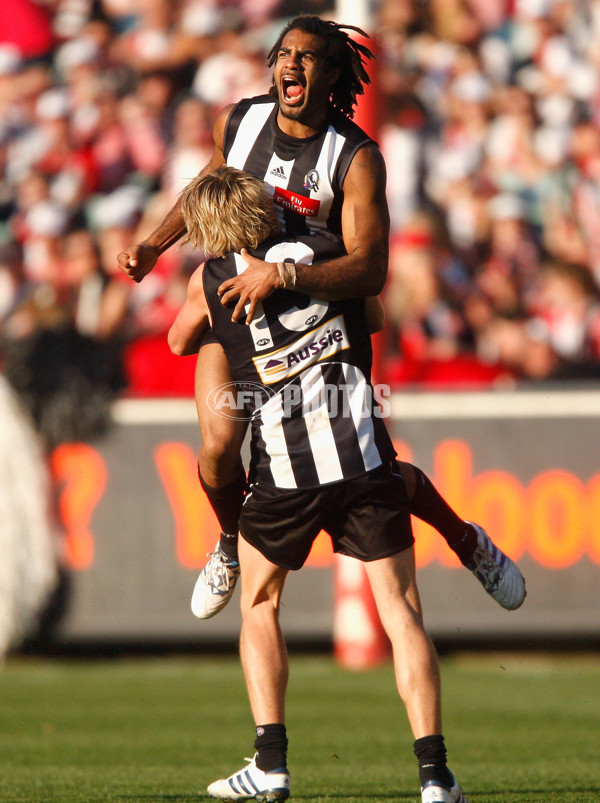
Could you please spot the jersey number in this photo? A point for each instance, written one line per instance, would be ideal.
(293, 319)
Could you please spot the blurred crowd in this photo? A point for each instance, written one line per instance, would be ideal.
(490, 127)
(492, 139)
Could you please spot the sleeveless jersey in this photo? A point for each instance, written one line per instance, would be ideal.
(302, 373)
(305, 176)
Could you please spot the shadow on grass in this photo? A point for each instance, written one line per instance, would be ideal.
(489, 794)
(572, 793)
(312, 798)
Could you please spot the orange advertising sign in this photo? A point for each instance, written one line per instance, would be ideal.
(553, 518)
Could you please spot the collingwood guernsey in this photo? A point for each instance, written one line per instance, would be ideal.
(305, 176)
(301, 370)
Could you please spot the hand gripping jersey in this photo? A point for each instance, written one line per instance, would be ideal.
(305, 175)
(302, 371)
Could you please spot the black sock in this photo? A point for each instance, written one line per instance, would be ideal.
(271, 747)
(431, 753)
(427, 504)
(227, 503)
(228, 544)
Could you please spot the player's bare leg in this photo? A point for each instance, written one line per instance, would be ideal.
(222, 431)
(394, 585)
(262, 646)
(265, 664)
(222, 477)
(498, 574)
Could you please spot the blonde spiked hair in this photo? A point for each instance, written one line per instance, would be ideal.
(227, 210)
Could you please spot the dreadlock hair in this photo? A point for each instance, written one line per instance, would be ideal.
(227, 210)
(340, 51)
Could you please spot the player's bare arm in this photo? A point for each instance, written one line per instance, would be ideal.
(359, 273)
(138, 260)
(192, 320)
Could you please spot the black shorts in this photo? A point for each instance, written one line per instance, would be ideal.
(367, 518)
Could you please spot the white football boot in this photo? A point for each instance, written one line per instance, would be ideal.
(252, 783)
(434, 792)
(497, 573)
(215, 584)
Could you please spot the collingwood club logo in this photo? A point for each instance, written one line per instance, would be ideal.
(311, 180)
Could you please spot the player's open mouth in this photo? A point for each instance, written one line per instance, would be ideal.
(292, 90)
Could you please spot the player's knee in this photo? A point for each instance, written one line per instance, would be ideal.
(259, 603)
(219, 439)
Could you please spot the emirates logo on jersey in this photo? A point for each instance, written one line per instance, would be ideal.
(313, 347)
(300, 204)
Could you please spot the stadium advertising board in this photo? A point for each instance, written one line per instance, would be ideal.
(524, 465)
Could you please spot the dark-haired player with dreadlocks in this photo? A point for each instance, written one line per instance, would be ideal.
(323, 172)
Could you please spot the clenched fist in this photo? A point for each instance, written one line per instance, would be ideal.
(138, 260)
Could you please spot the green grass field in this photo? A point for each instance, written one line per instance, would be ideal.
(519, 728)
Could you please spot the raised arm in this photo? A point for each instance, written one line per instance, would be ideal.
(365, 229)
(138, 260)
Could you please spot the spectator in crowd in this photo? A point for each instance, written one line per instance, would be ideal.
(191, 146)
